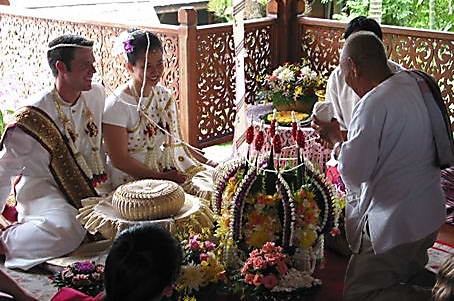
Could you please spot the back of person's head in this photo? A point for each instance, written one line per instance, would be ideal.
(139, 40)
(443, 289)
(368, 53)
(62, 49)
(363, 23)
(143, 261)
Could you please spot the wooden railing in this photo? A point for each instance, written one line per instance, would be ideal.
(427, 50)
(199, 60)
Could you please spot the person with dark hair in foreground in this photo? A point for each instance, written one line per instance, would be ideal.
(53, 143)
(398, 140)
(143, 262)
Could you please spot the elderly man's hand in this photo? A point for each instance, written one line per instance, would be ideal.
(329, 132)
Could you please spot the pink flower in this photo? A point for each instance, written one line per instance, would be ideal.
(272, 78)
(209, 245)
(203, 257)
(259, 263)
(81, 280)
(168, 291)
(100, 268)
(270, 281)
(249, 278)
(269, 247)
(194, 245)
(257, 279)
(272, 258)
(194, 242)
(127, 45)
(254, 253)
(282, 268)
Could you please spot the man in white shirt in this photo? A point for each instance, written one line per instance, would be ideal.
(53, 145)
(338, 92)
(390, 166)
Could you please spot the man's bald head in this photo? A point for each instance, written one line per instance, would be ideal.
(363, 62)
(367, 51)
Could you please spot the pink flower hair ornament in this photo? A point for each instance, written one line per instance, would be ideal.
(128, 47)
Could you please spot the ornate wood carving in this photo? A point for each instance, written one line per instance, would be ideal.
(24, 70)
(215, 65)
(432, 52)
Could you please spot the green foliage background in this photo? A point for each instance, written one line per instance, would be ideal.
(409, 13)
(223, 14)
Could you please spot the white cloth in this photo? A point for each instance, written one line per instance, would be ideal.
(343, 97)
(47, 225)
(388, 162)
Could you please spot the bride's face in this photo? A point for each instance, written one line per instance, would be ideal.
(154, 68)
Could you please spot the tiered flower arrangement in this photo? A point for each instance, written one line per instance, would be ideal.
(292, 86)
(267, 208)
(86, 277)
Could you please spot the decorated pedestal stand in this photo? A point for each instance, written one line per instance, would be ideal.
(316, 153)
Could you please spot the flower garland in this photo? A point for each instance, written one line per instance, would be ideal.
(96, 172)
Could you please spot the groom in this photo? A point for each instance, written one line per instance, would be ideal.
(53, 145)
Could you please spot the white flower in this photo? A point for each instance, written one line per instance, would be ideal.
(295, 279)
(286, 75)
(305, 71)
(191, 276)
(278, 71)
(313, 75)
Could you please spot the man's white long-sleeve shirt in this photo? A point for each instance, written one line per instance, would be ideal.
(389, 163)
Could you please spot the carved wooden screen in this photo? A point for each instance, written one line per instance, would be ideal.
(24, 69)
(426, 50)
(216, 75)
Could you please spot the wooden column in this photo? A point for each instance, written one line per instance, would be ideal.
(286, 30)
(187, 41)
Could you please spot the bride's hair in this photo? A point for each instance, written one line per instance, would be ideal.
(139, 42)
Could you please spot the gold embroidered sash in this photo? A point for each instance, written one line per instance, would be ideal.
(70, 178)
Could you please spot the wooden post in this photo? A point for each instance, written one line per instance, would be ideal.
(286, 31)
(187, 41)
